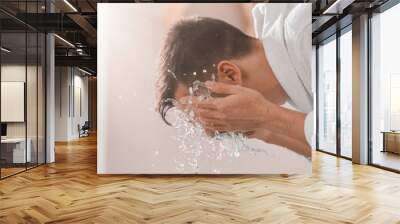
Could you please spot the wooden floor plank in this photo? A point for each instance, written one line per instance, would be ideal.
(70, 191)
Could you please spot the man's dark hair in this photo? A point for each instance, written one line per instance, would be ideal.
(192, 49)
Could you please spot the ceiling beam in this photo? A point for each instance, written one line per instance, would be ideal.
(337, 7)
(84, 24)
(82, 61)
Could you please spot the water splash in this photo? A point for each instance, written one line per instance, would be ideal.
(194, 142)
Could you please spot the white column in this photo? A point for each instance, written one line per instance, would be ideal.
(360, 90)
(50, 99)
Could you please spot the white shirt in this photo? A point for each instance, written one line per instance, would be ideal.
(285, 31)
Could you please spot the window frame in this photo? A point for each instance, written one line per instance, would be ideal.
(334, 37)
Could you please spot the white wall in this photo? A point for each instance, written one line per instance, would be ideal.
(68, 82)
(61, 103)
(132, 139)
(79, 117)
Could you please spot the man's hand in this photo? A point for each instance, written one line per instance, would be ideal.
(245, 110)
(241, 109)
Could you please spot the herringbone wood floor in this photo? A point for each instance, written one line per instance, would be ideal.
(69, 191)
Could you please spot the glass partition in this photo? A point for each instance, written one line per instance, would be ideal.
(22, 77)
(13, 94)
(31, 100)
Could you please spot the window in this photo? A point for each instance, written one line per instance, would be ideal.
(327, 96)
(346, 93)
(394, 101)
(385, 89)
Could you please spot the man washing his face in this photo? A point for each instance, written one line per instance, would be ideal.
(253, 76)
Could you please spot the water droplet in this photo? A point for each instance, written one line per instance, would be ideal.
(193, 142)
(190, 91)
(236, 154)
(213, 77)
(172, 73)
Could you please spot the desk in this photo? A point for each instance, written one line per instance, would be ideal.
(391, 141)
(13, 150)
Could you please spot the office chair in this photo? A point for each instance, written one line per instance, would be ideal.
(84, 130)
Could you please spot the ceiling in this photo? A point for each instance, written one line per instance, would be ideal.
(76, 22)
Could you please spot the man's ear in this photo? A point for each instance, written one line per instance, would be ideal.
(229, 72)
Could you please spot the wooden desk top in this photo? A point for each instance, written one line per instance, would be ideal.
(391, 132)
(13, 140)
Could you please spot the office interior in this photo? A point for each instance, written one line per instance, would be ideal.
(33, 63)
(48, 83)
(335, 74)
